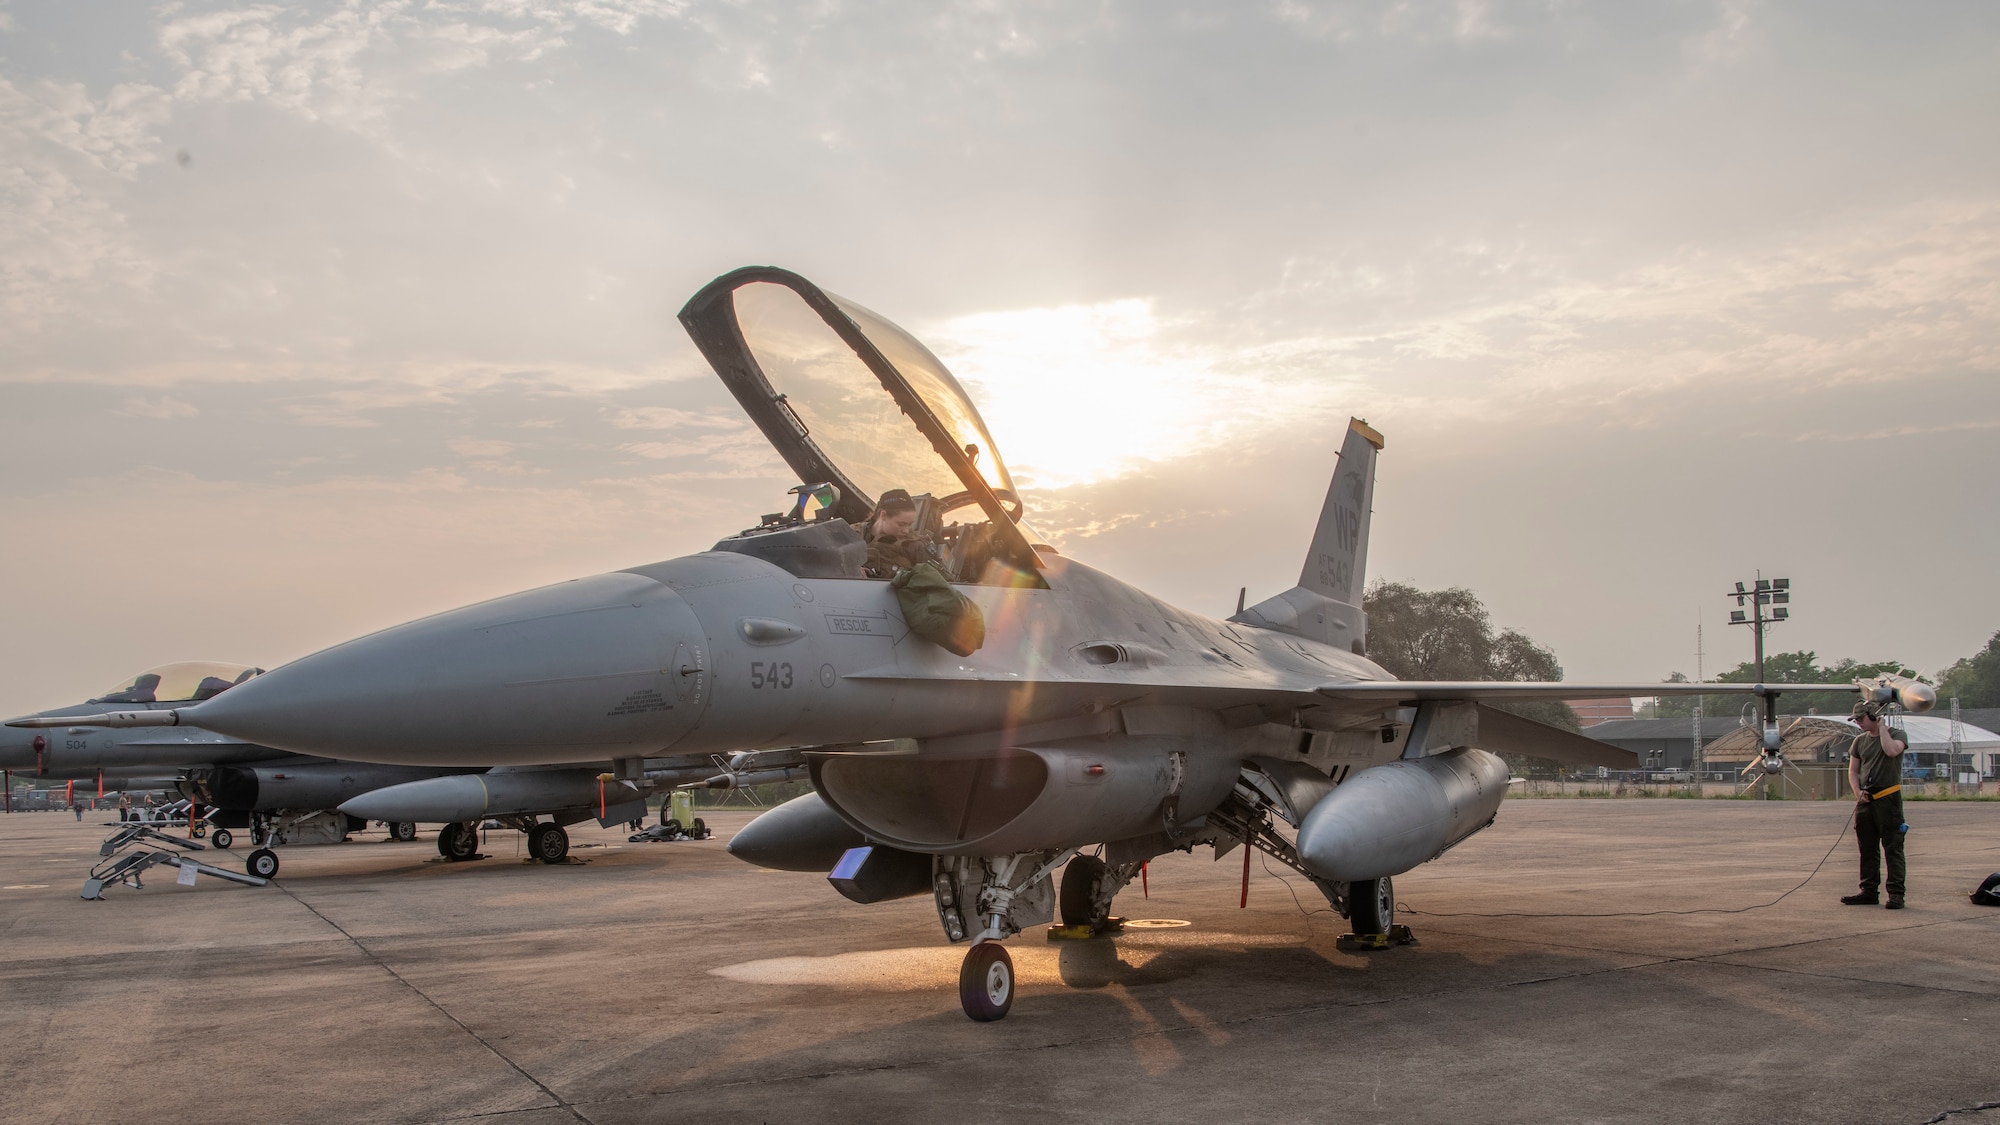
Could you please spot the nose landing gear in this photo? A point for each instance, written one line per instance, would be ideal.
(988, 899)
(458, 842)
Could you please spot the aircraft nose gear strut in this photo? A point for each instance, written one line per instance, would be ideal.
(1006, 894)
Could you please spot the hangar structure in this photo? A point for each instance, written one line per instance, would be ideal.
(1727, 745)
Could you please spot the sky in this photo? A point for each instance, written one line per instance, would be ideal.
(315, 318)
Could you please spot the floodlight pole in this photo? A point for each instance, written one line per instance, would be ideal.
(1765, 591)
(1775, 592)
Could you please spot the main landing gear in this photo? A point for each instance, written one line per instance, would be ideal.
(548, 843)
(1371, 905)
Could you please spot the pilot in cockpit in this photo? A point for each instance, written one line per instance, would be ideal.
(894, 543)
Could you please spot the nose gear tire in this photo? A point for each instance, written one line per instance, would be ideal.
(263, 863)
(457, 842)
(986, 982)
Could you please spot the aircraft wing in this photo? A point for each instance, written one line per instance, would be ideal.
(1495, 691)
(1504, 732)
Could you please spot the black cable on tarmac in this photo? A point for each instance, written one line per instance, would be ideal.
(1408, 909)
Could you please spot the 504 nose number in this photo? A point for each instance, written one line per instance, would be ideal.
(775, 674)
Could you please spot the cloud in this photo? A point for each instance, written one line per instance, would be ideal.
(1081, 393)
(1169, 247)
(477, 447)
(164, 408)
(672, 418)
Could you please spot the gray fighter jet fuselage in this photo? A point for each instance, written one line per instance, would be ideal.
(1092, 725)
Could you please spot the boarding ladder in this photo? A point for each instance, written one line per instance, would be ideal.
(138, 845)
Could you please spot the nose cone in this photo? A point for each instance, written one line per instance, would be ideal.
(802, 834)
(17, 747)
(573, 672)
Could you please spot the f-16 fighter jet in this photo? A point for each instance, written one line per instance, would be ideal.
(280, 796)
(981, 711)
(287, 798)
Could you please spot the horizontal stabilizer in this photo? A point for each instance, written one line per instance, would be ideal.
(1503, 732)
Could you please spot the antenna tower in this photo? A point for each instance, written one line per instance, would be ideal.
(1697, 758)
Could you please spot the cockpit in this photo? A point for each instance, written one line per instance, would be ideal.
(187, 682)
(858, 407)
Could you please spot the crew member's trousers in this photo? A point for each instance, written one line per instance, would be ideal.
(1878, 826)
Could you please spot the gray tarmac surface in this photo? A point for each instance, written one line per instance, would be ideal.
(670, 983)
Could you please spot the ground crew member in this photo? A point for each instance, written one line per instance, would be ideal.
(1875, 767)
(893, 542)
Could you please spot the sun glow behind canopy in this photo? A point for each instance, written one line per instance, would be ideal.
(1085, 393)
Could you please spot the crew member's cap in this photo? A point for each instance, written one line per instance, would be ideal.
(896, 500)
(1865, 708)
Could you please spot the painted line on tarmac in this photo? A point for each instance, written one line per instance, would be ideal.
(558, 1099)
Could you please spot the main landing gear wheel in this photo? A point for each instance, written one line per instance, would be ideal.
(1371, 905)
(986, 982)
(548, 843)
(1080, 880)
(402, 831)
(457, 842)
(263, 863)
(222, 838)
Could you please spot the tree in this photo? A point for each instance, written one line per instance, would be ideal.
(1800, 667)
(1428, 634)
(1974, 680)
(1448, 635)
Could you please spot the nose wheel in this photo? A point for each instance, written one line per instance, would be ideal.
(458, 842)
(263, 863)
(986, 982)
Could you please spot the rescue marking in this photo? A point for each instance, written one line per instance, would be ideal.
(856, 626)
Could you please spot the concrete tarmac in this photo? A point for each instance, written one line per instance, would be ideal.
(671, 983)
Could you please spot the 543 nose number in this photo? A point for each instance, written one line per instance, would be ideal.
(770, 675)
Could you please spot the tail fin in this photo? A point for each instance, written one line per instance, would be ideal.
(1326, 604)
(1337, 564)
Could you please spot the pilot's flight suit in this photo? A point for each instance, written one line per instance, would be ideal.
(1878, 822)
(888, 554)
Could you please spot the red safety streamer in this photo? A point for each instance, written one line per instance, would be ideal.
(100, 785)
(69, 793)
(1245, 899)
(600, 796)
(1143, 888)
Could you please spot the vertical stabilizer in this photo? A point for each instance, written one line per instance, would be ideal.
(1336, 565)
(1326, 604)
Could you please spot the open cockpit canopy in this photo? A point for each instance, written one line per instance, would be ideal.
(851, 400)
(188, 681)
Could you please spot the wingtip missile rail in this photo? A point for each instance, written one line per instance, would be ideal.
(116, 720)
